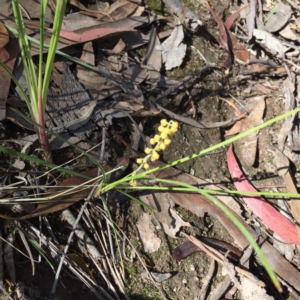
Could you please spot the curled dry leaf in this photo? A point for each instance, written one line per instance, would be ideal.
(267, 213)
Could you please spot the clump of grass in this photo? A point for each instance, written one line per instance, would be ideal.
(130, 182)
(38, 83)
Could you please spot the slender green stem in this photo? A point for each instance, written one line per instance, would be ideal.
(202, 152)
(57, 23)
(214, 192)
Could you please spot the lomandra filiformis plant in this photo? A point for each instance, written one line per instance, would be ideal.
(38, 84)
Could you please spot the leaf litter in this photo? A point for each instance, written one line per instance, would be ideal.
(136, 59)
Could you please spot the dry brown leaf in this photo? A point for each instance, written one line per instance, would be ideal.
(282, 164)
(115, 28)
(91, 34)
(224, 37)
(4, 38)
(94, 80)
(279, 17)
(153, 57)
(178, 8)
(230, 20)
(288, 33)
(120, 10)
(61, 202)
(73, 22)
(116, 11)
(239, 51)
(78, 5)
(250, 16)
(248, 145)
(171, 222)
(31, 7)
(177, 223)
(173, 50)
(270, 41)
(119, 47)
(250, 290)
(8, 56)
(147, 234)
(160, 203)
(236, 128)
(229, 41)
(265, 70)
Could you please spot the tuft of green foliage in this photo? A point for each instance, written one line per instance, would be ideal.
(38, 83)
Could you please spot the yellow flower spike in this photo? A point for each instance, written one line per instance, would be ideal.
(139, 161)
(166, 130)
(163, 122)
(157, 138)
(161, 128)
(158, 148)
(146, 166)
(133, 183)
(167, 141)
(173, 130)
(152, 141)
(155, 155)
(148, 150)
(163, 146)
(164, 135)
(175, 125)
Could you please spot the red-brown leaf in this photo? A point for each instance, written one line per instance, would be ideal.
(268, 214)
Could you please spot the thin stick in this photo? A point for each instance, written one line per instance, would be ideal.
(209, 275)
(53, 290)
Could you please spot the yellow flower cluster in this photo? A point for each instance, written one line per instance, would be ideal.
(161, 141)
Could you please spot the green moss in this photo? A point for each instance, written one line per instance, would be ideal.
(132, 270)
(155, 5)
